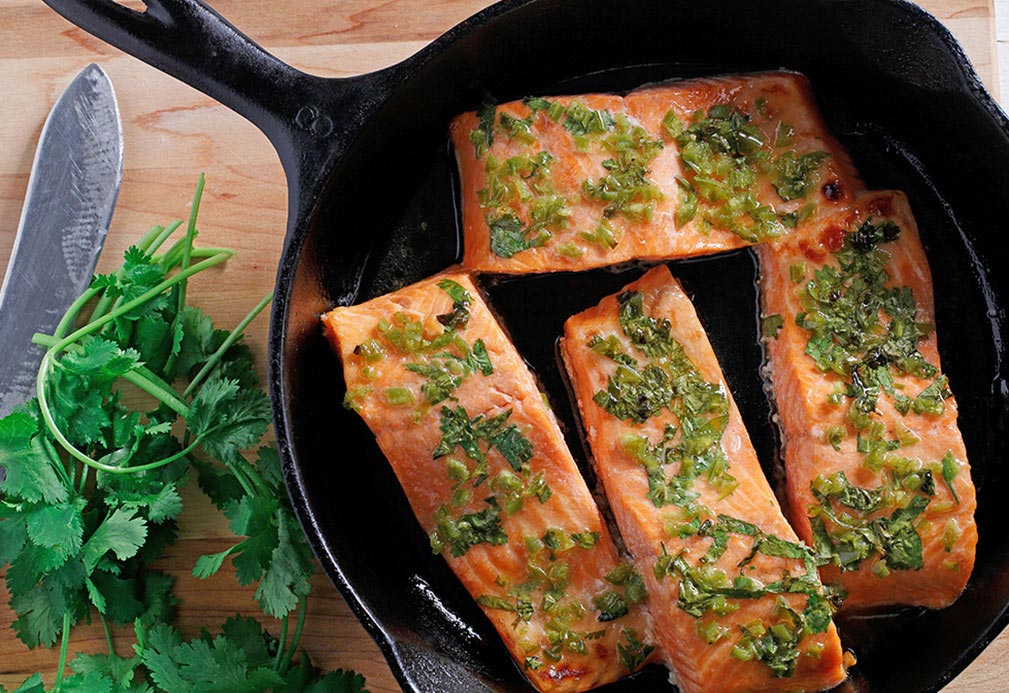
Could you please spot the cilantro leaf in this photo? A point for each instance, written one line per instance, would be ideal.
(122, 533)
(228, 418)
(239, 659)
(30, 473)
(59, 526)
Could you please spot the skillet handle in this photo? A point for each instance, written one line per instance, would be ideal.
(191, 42)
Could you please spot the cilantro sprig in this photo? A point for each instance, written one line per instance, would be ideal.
(90, 497)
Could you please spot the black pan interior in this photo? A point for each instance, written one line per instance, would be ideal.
(892, 87)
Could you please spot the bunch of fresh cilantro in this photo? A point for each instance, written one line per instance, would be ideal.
(91, 493)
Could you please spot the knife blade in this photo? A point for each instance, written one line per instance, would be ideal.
(72, 191)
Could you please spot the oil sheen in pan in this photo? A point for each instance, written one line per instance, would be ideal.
(723, 287)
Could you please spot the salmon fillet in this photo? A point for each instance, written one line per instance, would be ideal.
(689, 168)
(750, 151)
(735, 600)
(878, 477)
(485, 467)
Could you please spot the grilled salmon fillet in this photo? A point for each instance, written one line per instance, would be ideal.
(689, 168)
(486, 470)
(735, 600)
(878, 477)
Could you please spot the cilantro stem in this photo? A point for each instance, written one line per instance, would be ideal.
(282, 643)
(55, 461)
(233, 337)
(44, 369)
(64, 644)
(162, 237)
(243, 478)
(140, 376)
(108, 634)
(292, 648)
(187, 249)
(72, 311)
(95, 325)
(154, 386)
(83, 481)
(149, 237)
(151, 241)
(172, 258)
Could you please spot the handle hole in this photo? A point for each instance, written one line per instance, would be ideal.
(138, 6)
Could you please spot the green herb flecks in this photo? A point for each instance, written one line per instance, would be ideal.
(705, 589)
(459, 430)
(544, 591)
(462, 533)
(461, 300)
(582, 121)
(482, 137)
(516, 488)
(625, 188)
(864, 331)
(635, 652)
(445, 360)
(613, 604)
(849, 528)
(722, 152)
(794, 175)
(770, 325)
(666, 379)
(513, 183)
(445, 370)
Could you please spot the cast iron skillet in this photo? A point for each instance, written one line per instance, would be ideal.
(372, 207)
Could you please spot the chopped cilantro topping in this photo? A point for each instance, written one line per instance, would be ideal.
(951, 532)
(612, 604)
(524, 180)
(517, 128)
(516, 489)
(461, 300)
(445, 360)
(635, 395)
(604, 235)
(705, 589)
(722, 152)
(399, 396)
(686, 209)
(848, 528)
(459, 430)
(625, 188)
(635, 652)
(462, 533)
(636, 392)
(580, 120)
(446, 370)
(950, 468)
(864, 331)
(482, 137)
(794, 175)
(555, 111)
(835, 434)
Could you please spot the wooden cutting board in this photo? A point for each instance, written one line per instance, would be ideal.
(172, 133)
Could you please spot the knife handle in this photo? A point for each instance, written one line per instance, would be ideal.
(190, 41)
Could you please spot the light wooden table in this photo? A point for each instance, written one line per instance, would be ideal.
(172, 133)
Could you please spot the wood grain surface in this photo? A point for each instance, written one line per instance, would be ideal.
(173, 132)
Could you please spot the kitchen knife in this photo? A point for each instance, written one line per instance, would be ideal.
(71, 193)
